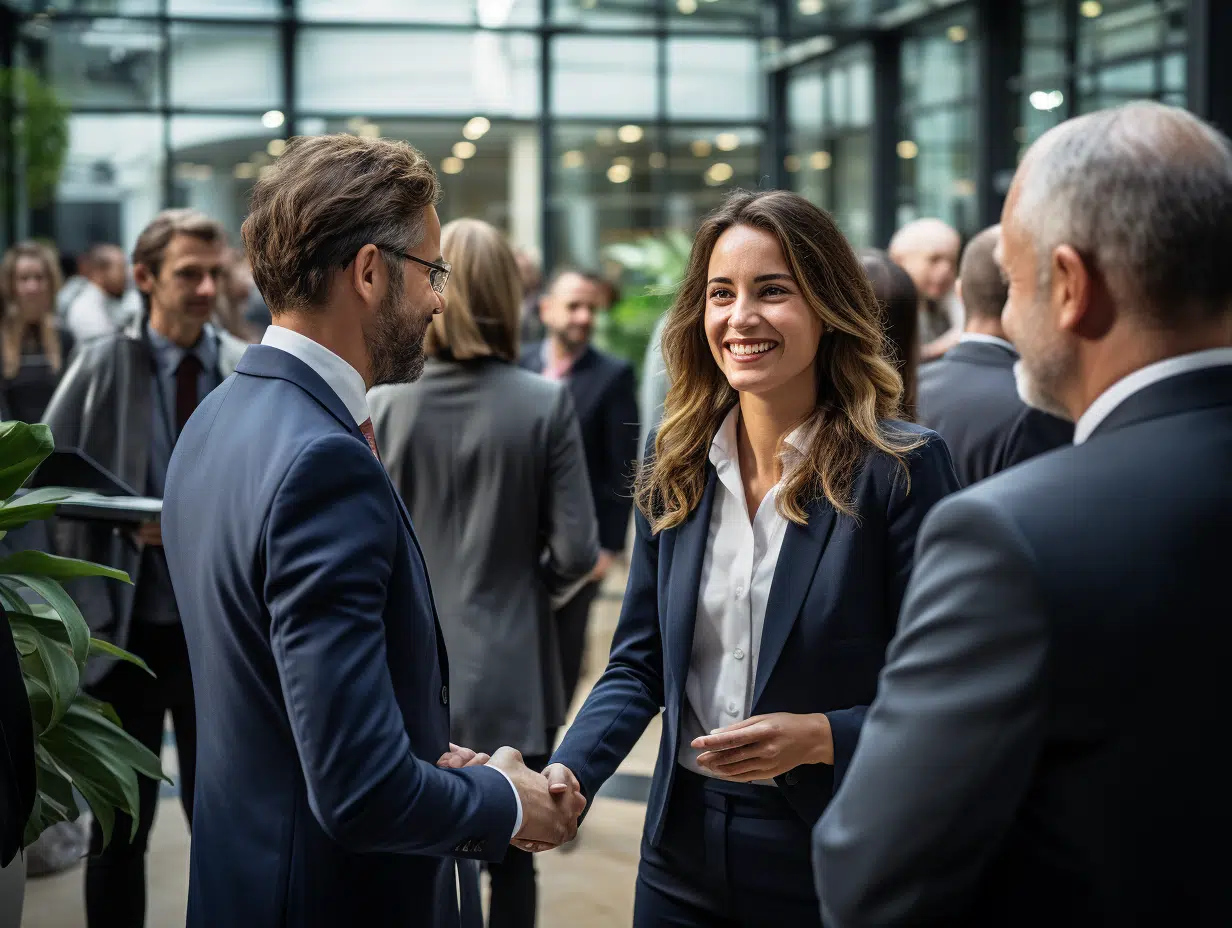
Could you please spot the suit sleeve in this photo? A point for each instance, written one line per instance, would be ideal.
(931, 479)
(1034, 433)
(330, 541)
(630, 691)
(571, 529)
(66, 409)
(950, 742)
(613, 489)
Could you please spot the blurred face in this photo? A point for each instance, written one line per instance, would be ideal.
(762, 333)
(569, 310)
(31, 287)
(934, 266)
(1048, 355)
(396, 334)
(111, 272)
(184, 293)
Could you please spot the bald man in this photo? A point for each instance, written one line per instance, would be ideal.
(927, 249)
(1044, 746)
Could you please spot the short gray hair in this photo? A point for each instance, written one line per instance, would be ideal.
(1144, 193)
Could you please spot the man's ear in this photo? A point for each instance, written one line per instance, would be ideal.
(368, 275)
(144, 278)
(1080, 294)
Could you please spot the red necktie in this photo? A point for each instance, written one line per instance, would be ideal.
(366, 428)
(187, 377)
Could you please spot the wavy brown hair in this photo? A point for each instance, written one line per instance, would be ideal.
(900, 305)
(11, 322)
(483, 302)
(858, 390)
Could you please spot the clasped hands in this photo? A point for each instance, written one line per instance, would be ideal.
(552, 801)
(766, 746)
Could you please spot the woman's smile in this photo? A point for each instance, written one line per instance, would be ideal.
(749, 350)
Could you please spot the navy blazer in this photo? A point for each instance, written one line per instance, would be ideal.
(832, 610)
(319, 670)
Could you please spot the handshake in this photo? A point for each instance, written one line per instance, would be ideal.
(552, 801)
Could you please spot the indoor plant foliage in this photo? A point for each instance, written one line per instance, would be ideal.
(79, 743)
(40, 129)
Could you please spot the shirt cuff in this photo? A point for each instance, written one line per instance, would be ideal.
(517, 822)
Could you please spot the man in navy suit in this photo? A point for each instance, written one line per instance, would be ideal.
(327, 790)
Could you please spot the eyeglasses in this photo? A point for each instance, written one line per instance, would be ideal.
(438, 274)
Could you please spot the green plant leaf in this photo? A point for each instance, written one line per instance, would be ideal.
(40, 564)
(66, 609)
(23, 447)
(99, 647)
(113, 740)
(105, 709)
(20, 513)
(63, 677)
(91, 772)
(25, 639)
(54, 784)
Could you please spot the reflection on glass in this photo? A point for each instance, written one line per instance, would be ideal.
(489, 14)
(239, 9)
(216, 67)
(425, 72)
(112, 181)
(740, 16)
(100, 62)
(714, 78)
(700, 175)
(600, 76)
(605, 14)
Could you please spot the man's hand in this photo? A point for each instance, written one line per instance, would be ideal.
(457, 757)
(550, 805)
(766, 746)
(150, 533)
(602, 566)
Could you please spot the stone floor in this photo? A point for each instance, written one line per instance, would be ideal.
(591, 885)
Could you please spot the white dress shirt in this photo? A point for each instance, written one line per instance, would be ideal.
(986, 339)
(349, 385)
(737, 571)
(1140, 379)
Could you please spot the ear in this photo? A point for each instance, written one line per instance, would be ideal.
(144, 278)
(1079, 294)
(958, 292)
(369, 276)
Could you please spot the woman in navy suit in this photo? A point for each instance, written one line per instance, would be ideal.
(776, 526)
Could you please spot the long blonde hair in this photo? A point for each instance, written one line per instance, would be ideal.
(12, 324)
(858, 389)
(483, 300)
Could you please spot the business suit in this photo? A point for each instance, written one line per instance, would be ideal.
(321, 673)
(489, 461)
(1043, 748)
(969, 396)
(605, 398)
(831, 611)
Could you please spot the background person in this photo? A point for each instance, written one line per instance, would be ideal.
(33, 349)
(99, 307)
(896, 294)
(927, 249)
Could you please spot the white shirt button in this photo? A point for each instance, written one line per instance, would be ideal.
(738, 654)
(731, 708)
(739, 591)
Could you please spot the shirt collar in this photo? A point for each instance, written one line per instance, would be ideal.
(167, 354)
(342, 378)
(723, 449)
(987, 340)
(1142, 378)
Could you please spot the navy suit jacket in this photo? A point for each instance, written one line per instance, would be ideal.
(319, 671)
(832, 610)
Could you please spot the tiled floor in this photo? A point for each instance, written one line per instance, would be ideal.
(592, 885)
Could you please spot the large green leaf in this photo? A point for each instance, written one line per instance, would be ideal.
(38, 692)
(40, 564)
(23, 447)
(25, 639)
(109, 773)
(10, 596)
(60, 674)
(20, 513)
(66, 609)
(92, 777)
(112, 740)
(105, 709)
(55, 785)
(106, 648)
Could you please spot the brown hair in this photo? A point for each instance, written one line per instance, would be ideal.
(152, 243)
(857, 388)
(12, 323)
(483, 301)
(900, 316)
(326, 198)
(984, 287)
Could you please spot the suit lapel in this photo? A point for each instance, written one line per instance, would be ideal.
(138, 407)
(797, 566)
(685, 578)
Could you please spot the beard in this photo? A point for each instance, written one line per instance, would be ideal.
(395, 339)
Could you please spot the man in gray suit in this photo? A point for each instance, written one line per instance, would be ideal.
(1044, 746)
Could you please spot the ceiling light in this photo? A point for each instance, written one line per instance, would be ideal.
(276, 147)
(700, 147)
(475, 128)
(718, 173)
(245, 170)
(686, 7)
(820, 160)
(1046, 100)
(907, 149)
(1091, 9)
(727, 141)
(792, 163)
(810, 7)
(630, 134)
(464, 150)
(957, 34)
(453, 165)
(658, 160)
(492, 14)
(573, 159)
(273, 119)
(619, 173)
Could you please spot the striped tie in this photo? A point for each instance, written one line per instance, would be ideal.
(366, 428)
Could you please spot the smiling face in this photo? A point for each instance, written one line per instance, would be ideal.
(762, 332)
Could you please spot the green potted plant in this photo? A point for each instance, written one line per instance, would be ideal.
(80, 746)
(39, 124)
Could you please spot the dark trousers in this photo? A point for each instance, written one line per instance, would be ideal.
(571, 621)
(115, 877)
(515, 893)
(733, 855)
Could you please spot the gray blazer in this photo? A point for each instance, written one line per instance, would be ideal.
(489, 460)
(102, 406)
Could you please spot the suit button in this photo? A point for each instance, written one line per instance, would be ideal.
(791, 779)
(444, 695)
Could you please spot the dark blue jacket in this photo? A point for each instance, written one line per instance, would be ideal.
(319, 671)
(832, 610)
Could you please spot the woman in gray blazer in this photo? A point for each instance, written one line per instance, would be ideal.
(488, 458)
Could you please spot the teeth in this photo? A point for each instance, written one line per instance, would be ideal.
(759, 348)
